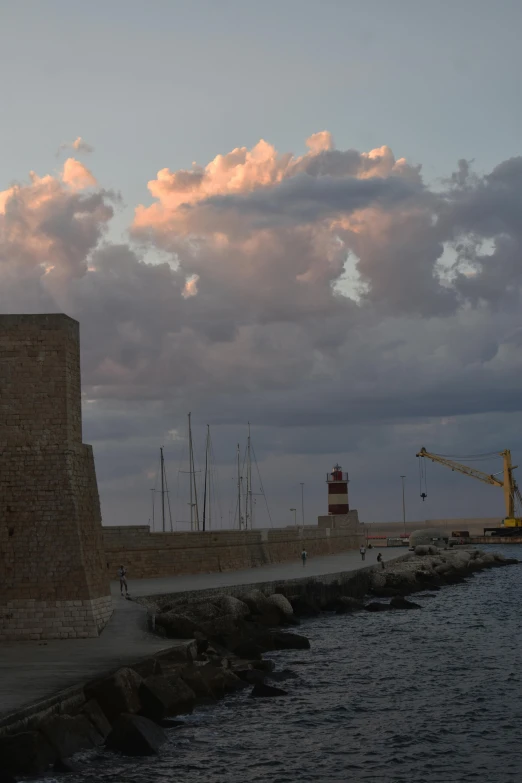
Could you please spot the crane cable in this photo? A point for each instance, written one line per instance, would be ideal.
(423, 479)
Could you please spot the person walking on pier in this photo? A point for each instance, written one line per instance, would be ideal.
(362, 550)
(304, 555)
(122, 576)
(380, 560)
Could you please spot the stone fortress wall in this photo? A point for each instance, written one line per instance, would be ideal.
(53, 576)
(148, 555)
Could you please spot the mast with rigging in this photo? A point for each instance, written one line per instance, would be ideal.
(239, 487)
(194, 513)
(206, 481)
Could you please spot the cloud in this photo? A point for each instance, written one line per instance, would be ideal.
(77, 176)
(48, 228)
(191, 287)
(250, 316)
(78, 145)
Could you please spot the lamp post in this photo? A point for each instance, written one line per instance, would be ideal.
(295, 515)
(403, 505)
(302, 503)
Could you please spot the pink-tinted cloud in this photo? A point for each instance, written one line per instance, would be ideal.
(77, 176)
(49, 226)
(191, 287)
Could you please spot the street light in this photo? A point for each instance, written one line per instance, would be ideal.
(403, 505)
(295, 515)
(302, 502)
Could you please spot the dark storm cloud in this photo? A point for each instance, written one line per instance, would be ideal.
(307, 199)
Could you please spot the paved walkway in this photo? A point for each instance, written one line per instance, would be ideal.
(316, 566)
(34, 671)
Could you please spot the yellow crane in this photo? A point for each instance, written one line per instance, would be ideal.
(508, 483)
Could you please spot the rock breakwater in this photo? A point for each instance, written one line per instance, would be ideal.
(131, 710)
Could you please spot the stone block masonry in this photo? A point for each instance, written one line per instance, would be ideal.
(148, 555)
(53, 575)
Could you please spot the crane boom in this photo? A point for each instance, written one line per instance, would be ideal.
(508, 483)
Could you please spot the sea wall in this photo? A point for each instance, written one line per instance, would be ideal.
(147, 555)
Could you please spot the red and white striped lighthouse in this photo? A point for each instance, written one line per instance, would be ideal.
(337, 491)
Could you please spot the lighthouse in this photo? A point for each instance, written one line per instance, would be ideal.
(337, 482)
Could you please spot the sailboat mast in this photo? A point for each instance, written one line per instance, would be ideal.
(190, 476)
(194, 515)
(206, 474)
(249, 481)
(238, 488)
(162, 469)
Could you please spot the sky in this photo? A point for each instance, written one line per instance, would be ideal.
(302, 215)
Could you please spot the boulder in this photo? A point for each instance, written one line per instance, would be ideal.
(184, 651)
(232, 682)
(398, 602)
(421, 550)
(251, 676)
(147, 668)
(256, 601)
(289, 641)
(249, 648)
(443, 568)
(96, 715)
(256, 640)
(426, 577)
(202, 646)
(27, 753)
(161, 698)
(263, 665)
(199, 684)
(134, 735)
(304, 606)
(272, 617)
(450, 575)
(460, 559)
(486, 558)
(401, 580)
(117, 693)
(68, 734)
(377, 578)
(281, 602)
(220, 681)
(375, 606)
(228, 605)
(385, 592)
(219, 629)
(263, 691)
(345, 605)
(202, 610)
(285, 674)
(176, 625)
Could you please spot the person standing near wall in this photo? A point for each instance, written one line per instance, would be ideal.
(362, 550)
(304, 555)
(122, 576)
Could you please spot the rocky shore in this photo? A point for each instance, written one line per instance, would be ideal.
(131, 710)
